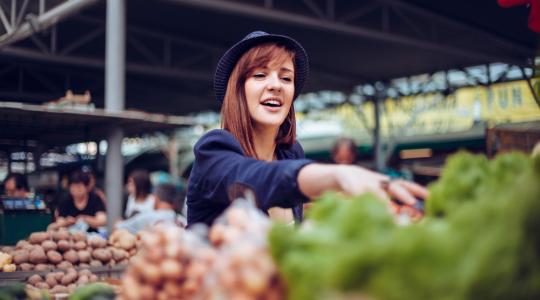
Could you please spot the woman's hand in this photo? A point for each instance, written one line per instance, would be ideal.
(354, 180)
(315, 179)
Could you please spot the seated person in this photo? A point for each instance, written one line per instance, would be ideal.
(81, 205)
(167, 201)
(16, 186)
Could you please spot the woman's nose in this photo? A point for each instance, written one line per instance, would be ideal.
(273, 82)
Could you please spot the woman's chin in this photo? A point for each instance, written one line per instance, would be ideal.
(269, 123)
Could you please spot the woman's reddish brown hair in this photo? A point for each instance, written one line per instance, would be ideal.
(235, 116)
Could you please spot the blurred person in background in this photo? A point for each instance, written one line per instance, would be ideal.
(92, 185)
(81, 204)
(344, 152)
(16, 186)
(168, 200)
(140, 198)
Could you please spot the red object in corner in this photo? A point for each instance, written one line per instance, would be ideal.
(534, 15)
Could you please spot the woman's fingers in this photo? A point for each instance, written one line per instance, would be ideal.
(398, 191)
(414, 188)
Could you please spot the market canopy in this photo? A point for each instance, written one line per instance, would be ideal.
(173, 45)
(27, 125)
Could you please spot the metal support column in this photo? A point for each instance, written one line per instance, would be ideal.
(378, 151)
(115, 101)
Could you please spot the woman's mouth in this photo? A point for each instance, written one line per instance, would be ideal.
(272, 104)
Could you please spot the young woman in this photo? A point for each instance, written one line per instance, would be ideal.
(139, 189)
(257, 81)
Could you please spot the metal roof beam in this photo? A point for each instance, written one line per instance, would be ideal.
(133, 68)
(457, 24)
(44, 21)
(309, 22)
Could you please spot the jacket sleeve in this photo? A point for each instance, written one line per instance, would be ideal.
(221, 163)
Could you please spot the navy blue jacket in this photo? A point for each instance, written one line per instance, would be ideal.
(220, 163)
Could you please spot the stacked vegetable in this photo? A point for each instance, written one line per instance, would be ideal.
(61, 249)
(171, 264)
(479, 240)
(177, 264)
(6, 262)
(61, 282)
(244, 268)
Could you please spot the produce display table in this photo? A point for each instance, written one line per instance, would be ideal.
(103, 272)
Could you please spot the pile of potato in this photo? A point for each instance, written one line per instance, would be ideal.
(171, 264)
(6, 264)
(60, 249)
(61, 282)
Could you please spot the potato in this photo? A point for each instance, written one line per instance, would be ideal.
(58, 276)
(37, 255)
(97, 242)
(93, 278)
(9, 268)
(84, 265)
(20, 256)
(22, 244)
(42, 285)
(69, 278)
(71, 270)
(85, 272)
(96, 263)
(48, 245)
(38, 237)
(58, 289)
(61, 235)
(127, 241)
(6, 249)
(71, 256)
(50, 279)
(64, 265)
(103, 255)
(84, 256)
(26, 267)
(83, 280)
(64, 245)
(54, 257)
(34, 279)
(119, 254)
(42, 267)
(80, 245)
(71, 288)
(79, 236)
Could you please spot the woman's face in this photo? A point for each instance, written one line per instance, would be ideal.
(269, 93)
(10, 186)
(131, 186)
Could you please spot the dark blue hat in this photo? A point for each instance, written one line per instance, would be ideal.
(230, 58)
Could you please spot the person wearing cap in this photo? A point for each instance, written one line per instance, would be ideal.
(256, 81)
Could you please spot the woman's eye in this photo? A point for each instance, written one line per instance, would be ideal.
(259, 75)
(288, 79)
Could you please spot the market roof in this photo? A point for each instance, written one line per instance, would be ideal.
(173, 45)
(33, 125)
